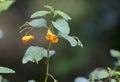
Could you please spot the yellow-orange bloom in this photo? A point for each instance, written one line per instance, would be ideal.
(2, 0)
(48, 36)
(26, 39)
(51, 37)
(54, 39)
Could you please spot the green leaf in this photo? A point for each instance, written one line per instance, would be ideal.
(102, 74)
(70, 39)
(49, 7)
(55, 80)
(115, 53)
(79, 43)
(6, 70)
(31, 81)
(62, 26)
(31, 53)
(39, 14)
(35, 54)
(113, 80)
(5, 5)
(81, 79)
(1, 34)
(38, 23)
(63, 15)
(99, 74)
(116, 74)
(44, 51)
(117, 63)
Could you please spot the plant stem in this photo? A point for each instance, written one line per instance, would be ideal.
(47, 62)
(48, 56)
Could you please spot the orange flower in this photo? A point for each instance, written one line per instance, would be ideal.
(48, 36)
(54, 39)
(26, 39)
(51, 37)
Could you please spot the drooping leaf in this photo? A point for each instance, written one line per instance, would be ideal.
(63, 15)
(6, 4)
(39, 14)
(70, 39)
(31, 53)
(38, 23)
(31, 81)
(99, 74)
(1, 34)
(79, 43)
(115, 53)
(35, 54)
(6, 70)
(25, 24)
(49, 7)
(62, 26)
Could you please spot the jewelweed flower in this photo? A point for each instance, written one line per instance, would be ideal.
(48, 36)
(54, 39)
(51, 37)
(26, 39)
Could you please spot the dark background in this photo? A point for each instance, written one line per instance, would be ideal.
(95, 22)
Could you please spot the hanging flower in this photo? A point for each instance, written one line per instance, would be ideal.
(54, 39)
(26, 39)
(51, 37)
(48, 36)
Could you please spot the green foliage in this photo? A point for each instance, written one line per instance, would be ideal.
(38, 23)
(39, 14)
(49, 7)
(1, 34)
(62, 26)
(116, 73)
(113, 80)
(63, 15)
(99, 74)
(70, 39)
(31, 81)
(35, 54)
(115, 53)
(79, 43)
(6, 70)
(55, 80)
(6, 4)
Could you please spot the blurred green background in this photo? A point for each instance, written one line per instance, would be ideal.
(95, 22)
